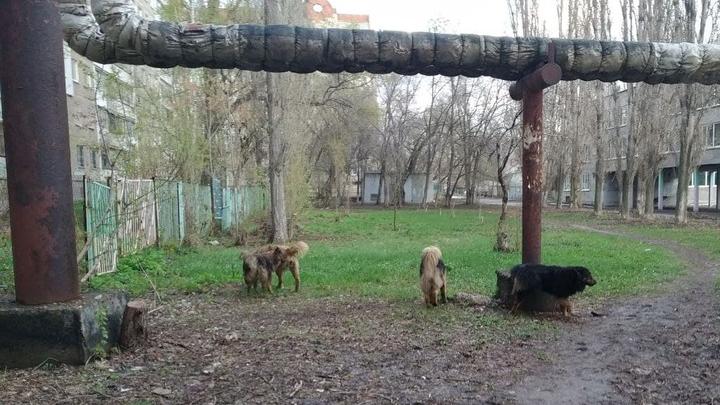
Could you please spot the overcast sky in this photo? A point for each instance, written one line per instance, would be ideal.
(483, 17)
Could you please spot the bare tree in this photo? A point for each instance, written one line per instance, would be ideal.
(692, 97)
(505, 144)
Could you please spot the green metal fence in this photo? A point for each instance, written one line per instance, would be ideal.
(101, 225)
(130, 215)
(240, 203)
(198, 209)
(170, 203)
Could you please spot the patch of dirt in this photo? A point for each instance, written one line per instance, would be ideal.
(663, 348)
(230, 348)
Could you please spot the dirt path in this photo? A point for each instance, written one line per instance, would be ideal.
(656, 349)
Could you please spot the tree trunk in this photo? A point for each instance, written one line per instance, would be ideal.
(468, 178)
(502, 240)
(630, 167)
(276, 168)
(685, 164)
(428, 170)
(650, 194)
(641, 183)
(276, 147)
(599, 185)
(574, 187)
(560, 183)
(450, 189)
(599, 155)
(575, 164)
(380, 184)
(133, 329)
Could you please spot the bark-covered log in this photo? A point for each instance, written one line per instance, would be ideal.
(117, 34)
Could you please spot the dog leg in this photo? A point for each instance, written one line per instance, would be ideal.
(443, 295)
(516, 306)
(567, 310)
(295, 270)
(265, 277)
(279, 273)
(434, 297)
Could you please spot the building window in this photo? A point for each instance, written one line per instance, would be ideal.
(105, 161)
(93, 159)
(115, 125)
(80, 156)
(69, 84)
(713, 135)
(373, 197)
(75, 71)
(586, 181)
(90, 81)
(700, 177)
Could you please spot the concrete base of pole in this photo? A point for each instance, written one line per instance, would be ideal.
(70, 332)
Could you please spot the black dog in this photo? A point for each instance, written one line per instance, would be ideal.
(561, 282)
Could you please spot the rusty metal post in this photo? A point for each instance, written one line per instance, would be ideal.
(530, 90)
(38, 152)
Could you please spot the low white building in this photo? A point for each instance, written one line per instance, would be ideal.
(413, 189)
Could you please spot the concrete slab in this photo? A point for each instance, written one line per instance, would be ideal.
(69, 333)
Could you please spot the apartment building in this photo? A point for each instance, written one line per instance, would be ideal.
(703, 189)
(99, 126)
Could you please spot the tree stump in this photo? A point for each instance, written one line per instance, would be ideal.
(133, 331)
(535, 301)
(504, 288)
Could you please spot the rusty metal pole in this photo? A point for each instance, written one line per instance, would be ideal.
(38, 152)
(529, 89)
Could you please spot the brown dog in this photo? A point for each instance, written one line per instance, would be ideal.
(258, 266)
(290, 256)
(432, 276)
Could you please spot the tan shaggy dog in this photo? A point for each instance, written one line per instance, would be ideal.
(290, 259)
(432, 276)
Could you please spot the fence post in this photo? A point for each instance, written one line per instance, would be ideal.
(181, 211)
(116, 198)
(88, 225)
(157, 216)
(85, 209)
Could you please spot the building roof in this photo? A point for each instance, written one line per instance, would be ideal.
(321, 12)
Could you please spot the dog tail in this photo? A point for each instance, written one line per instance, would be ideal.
(298, 249)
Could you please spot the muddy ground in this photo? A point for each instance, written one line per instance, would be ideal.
(647, 350)
(226, 348)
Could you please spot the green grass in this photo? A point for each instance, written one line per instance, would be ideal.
(6, 274)
(361, 255)
(701, 235)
